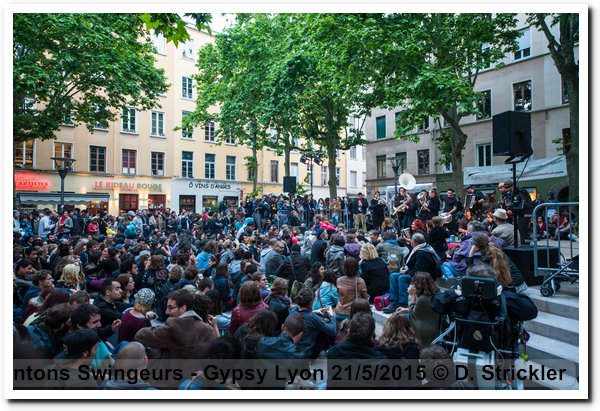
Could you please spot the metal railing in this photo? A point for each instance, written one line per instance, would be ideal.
(560, 220)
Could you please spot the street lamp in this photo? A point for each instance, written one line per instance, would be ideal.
(63, 165)
(397, 165)
(308, 158)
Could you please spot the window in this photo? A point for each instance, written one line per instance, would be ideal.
(187, 132)
(295, 143)
(209, 166)
(128, 202)
(188, 49)
(128, 120)
(364, 152)
(230, 167)
(209, 131)
(423, 161)
(157, 201)
(157, 163)
(522, 96)
(210, 202)
(565, 91)
(274, 171)
(446, 168)
(159, 43)
(353, 153)
(524, 44)
(425, 125)
(484, 105)
(187, 164)
(97, 159)
(186, 87)
(24, 154)
(294, 169)
(129, 161)
(381, 167)
(380, 121)
(324, 175)
(484, 154)
(230, 139)
(158, 124)
(29, 104)
(68, 117)
(99, 125)
(337, 176)
(64, 150)
(187, 203)
(403, 161)
(353, 179)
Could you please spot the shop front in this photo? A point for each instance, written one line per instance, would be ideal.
(39, 190)
(198, 195)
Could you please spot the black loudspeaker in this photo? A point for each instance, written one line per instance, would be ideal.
(512, 134)
(522, 256)
(289, 184)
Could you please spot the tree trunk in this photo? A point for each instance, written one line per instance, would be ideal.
(255, 173)
(286, 154)
(331, 149)
(458, 140)
(573, 155)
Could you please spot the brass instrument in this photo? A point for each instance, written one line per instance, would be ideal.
(401, 207)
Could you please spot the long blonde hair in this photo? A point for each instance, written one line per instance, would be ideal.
(71, 276)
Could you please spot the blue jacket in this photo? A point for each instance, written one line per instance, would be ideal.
(315, 326)
(202, 260)
(328, 294)
(280, 347)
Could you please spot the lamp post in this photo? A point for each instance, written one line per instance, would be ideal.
(63, 165)
(397, 164)
(308, 158)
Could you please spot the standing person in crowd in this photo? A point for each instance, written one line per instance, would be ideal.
(452, 207)
(437, 237)
(45, 225)
(334, 256)
(378, 208)
(360, 212)
(65, 225)
(317, 252)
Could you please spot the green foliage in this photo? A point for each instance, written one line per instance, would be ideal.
(173, 26)
(86, 66)
(300, 190)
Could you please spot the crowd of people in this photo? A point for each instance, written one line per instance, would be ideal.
(274, 278)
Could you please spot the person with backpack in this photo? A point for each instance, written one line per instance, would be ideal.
(296, 267)
(390, 252)
(421, 258)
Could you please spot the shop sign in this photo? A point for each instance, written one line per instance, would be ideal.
(211, 185)
(113, 185)
(25, 181)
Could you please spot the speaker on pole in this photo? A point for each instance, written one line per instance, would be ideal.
(512, 134)
(289, 184)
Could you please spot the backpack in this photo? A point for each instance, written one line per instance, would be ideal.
(392, 262)
(381, 301)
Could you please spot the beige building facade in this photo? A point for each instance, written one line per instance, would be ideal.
(141, 162)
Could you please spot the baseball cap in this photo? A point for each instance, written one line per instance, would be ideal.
(76, 343)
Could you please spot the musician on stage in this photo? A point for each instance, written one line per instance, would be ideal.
(377, 208)
(398, 211)
(451, 206)
(432, 205)
(474, 202)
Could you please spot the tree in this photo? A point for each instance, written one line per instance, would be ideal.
(173, 26)
(327, 81)
(230, 86)
(562, 51)
(81, 68)
(429, 63)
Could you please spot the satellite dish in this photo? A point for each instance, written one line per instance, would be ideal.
(407, 181)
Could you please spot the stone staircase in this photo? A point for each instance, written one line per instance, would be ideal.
(554, 334)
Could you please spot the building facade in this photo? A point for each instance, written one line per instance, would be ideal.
(528, 82)
(141, 162)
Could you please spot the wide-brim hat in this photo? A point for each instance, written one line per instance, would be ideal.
(500, 213)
